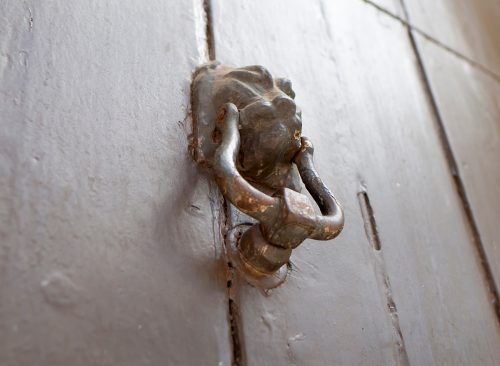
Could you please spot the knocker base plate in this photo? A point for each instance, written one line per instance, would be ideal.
(204, 141)
(254, 278)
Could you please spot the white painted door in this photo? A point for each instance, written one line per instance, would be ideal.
(111, 238)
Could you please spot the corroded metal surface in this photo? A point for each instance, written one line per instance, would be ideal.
(247, 129)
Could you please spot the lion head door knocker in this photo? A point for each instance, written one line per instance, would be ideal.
(247, 129)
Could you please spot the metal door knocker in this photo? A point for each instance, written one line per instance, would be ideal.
(247, 129)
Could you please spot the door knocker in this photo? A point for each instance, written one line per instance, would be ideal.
(248, 130)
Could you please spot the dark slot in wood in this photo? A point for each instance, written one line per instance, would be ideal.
(369, 220)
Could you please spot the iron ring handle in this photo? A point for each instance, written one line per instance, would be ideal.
(332, 222)
(233, 186)
(264, 208)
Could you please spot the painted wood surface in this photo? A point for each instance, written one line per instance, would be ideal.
(421, 299)
(469, 104)
(471, 28)
(110, 245)
(109, 248)
(394, 7)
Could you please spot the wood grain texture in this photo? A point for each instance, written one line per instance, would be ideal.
(469, 104)
(365, 109)
(471, 28)
(109, 252)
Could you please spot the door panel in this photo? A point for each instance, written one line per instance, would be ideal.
(110, 238)
(472, 28)
(109, 252)
(471, 118)
(365, 108)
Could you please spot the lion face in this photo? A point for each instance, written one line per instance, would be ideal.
(270, 123)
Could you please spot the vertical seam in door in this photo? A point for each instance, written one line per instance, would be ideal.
(233, 310)
(234, 317)
(209, 30)
(452, 164)
(382, 276)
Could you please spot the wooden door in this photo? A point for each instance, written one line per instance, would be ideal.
(109, 246)
(111, 238)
